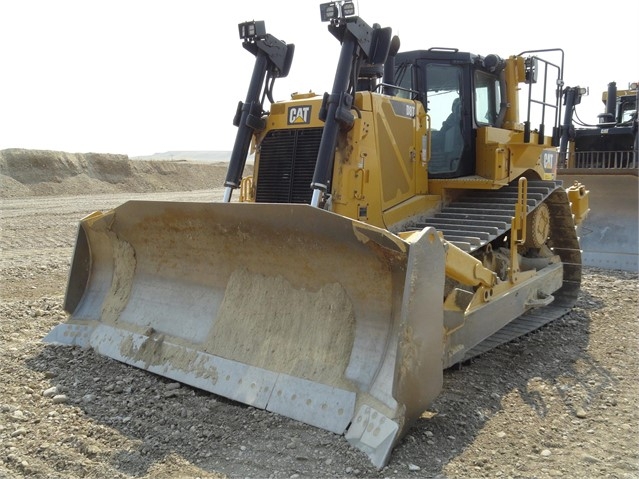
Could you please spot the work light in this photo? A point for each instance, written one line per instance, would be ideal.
(252, 29)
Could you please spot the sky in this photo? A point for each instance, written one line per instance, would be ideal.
(139, 77)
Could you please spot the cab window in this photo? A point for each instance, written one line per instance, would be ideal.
(486, 99)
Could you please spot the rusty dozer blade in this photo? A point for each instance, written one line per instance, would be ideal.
(288, 308)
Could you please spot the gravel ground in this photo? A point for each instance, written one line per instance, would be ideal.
(561, 402)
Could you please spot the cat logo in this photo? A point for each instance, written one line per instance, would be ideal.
(299, 115)
(549, 160)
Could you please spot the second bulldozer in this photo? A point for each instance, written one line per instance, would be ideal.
(398, 225)
(606, 157)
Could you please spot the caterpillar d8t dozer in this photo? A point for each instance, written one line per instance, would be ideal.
(396, 226)
(605, 156)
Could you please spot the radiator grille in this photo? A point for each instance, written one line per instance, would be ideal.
(286, 165)
(606, 159)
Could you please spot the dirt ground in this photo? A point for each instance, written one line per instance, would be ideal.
(560, 402)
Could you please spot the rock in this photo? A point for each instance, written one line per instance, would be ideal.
(589, 459)
(19, 432)
(52, 391)
(18, 414)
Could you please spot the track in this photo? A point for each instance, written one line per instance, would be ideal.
(482, 216)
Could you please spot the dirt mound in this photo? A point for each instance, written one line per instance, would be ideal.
(58, 173)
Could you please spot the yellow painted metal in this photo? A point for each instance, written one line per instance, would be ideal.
(247, 189)
(515, 73)
(379, 165)
(537, 226)
(467, 269)
(579, 201)
(518, 230)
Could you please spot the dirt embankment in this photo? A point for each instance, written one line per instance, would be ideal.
(55, 173)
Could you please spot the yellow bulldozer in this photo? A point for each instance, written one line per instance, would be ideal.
(403, 223)
(605, 155)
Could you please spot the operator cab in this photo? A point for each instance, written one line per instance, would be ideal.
(459, 95)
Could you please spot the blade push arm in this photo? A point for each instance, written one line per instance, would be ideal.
(360, 43)
(273, 59)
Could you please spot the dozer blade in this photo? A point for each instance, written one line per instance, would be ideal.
(609, 236)
(288, 308)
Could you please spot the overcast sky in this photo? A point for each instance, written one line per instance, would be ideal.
(139, 77)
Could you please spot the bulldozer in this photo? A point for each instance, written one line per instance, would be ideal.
(400, 224)
(605, 155)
